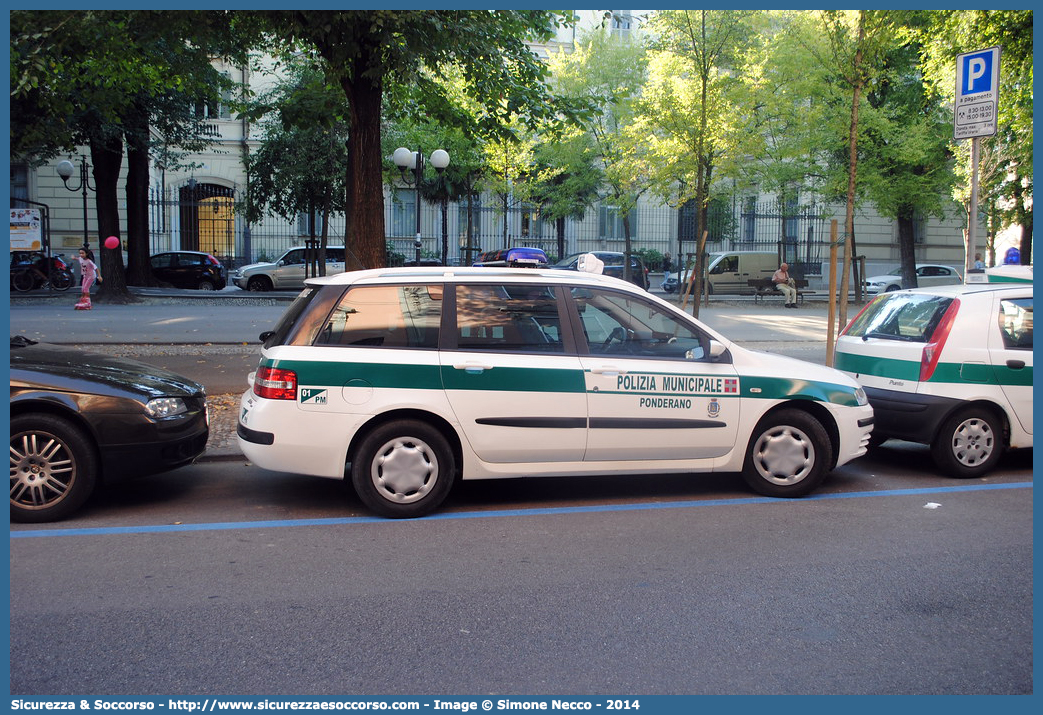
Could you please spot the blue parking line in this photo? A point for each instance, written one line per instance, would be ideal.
(283, 523)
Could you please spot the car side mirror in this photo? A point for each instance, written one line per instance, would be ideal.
(716, 350)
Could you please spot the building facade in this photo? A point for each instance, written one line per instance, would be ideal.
(199, 209)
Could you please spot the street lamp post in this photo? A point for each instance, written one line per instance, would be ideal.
(414, 160)
(65, 169)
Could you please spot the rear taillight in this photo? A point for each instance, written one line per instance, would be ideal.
(932, 351)
(275, 383)
(213, 261)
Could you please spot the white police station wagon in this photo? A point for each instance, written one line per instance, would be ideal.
(949, 366)
(407, 379)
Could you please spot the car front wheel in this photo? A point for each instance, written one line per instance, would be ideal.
(969, 443)
(53, 468)
(403, 469)
(259, 283)
(788, 456)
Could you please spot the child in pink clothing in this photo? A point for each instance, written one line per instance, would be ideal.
(88, 273)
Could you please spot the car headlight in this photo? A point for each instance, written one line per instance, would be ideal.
(860, 397)
(165, 407)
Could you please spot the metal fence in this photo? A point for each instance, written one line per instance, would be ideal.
(210, 218)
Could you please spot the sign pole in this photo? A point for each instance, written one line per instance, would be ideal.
(972, 220)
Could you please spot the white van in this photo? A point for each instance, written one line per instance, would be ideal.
(731, 272)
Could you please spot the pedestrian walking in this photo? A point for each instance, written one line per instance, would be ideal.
(787, 285)
(88, 274)
(979, 265)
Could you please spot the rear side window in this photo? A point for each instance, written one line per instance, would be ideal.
(907, 317)
(387, 316)
(508, 318)
(1016, 323)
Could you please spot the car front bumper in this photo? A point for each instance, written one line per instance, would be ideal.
(909, 416)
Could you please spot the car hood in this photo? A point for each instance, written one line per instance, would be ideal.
(63, 368)
(774, 365)
(254, 266)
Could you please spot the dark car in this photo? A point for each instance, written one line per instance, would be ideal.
(189, 269)
(80, 420)
(613, 261)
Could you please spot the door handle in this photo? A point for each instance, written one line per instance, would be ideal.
(608, 370)
(472, 367)
(1015, 364)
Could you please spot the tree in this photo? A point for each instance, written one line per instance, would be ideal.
(607, 73)
(366, 50)
(856, 43)
(301, 165)
(907, 167)
(691, 74)
(1006, 176)
(93, 78)
(565, 181)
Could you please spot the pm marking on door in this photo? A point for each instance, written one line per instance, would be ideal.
(313, 396)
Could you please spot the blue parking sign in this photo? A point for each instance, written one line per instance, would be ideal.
(977, 93)
(977, 72)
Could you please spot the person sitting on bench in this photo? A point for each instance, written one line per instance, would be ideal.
(787, 285)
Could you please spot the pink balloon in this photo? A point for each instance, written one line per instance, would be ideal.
(112, 242)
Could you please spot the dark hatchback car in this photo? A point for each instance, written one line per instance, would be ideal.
(613, 261)
(80, 420)
(189, 269)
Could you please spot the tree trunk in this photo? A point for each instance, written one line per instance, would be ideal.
(907, 246)
(561, 237)
(107, 158)
(365, 207)
(627, 247)
(139, 269)
(852, 171)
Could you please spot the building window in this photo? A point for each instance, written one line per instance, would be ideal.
(19, 181)
(621, 24)
(610, 223)
(531, 223)
(304, 225)
(403, 212)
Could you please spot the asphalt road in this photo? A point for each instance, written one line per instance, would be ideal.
(222, 578)
(225, 579)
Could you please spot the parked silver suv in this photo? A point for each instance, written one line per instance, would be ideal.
(286, 272)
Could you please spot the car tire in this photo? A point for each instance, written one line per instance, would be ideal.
(53, 468)
(969, 443)
(891, 288)
(789, 455)
(403, 469)
(259, 284)
(205, 285)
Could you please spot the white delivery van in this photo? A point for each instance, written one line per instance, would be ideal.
(731, 272)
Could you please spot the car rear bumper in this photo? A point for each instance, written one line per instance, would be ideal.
(909, 416)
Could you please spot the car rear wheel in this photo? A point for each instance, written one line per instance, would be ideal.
(205, 285)
(969, 444)
(259, 283)
(788, 456)
(403, 469)
(53, 468)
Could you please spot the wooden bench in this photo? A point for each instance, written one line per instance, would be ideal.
(765, 288)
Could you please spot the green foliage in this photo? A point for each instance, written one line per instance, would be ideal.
(301, 164)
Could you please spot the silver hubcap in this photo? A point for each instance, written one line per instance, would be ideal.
(42, 469)
(973, 442)
(784, 455)
(404, 470)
